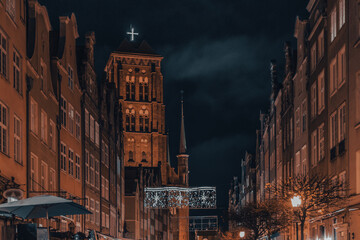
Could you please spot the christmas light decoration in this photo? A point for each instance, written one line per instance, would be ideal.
(177, 197)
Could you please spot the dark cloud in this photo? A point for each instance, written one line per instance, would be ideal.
(218, 51)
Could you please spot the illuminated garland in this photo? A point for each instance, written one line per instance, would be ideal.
(177, 197)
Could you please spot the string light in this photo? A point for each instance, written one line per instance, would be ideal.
(177, 197)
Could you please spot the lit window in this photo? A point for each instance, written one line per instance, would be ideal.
(71, 119)
(17, 73)
(97, 140)
(17, 140)
(342, 13)
(333, 27)
(10, 8)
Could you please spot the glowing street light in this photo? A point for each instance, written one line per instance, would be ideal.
(242, 234)
(296, 201)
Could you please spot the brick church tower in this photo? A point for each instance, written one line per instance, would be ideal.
(135, 70)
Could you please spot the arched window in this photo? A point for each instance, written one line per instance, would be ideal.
(130, 87)
(130, 119)
(143, 88)
(143, 157)
(144, 119)
(131, 156)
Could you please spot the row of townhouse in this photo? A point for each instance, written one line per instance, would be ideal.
(65, 132)
(60, 127)
(312, 126)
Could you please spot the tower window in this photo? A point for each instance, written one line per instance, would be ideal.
(130, 87)
(144, 89)
(130, 119)
(144, 120)
(143, 157)
(131, 156)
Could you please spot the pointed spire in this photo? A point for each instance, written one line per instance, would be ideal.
(182, 130)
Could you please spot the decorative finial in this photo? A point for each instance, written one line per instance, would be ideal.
(132, 33)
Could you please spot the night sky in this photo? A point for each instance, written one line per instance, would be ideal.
(217, 51)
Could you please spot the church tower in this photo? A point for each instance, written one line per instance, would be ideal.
(135, 69)
(183, 157)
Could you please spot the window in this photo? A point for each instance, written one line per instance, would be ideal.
(97, 173)
(314, 153)
(97, 133)
(43, 123)
(3, 54)
(63, 156)
(43, 175)
(304, 160)
(3, 128)
(143, 88)
(33, 172)
(297, 163)
(87, 126)
(106, 189)
(52, 180)
(17, 140)
(63, 111)
(297, 122)
(77, 124)
(304, 114)
(103, 219)
(130, 119)
(105, 154)
(91, 170)
(342, 122)
(143, 157)
(342, 13)
(130, 87)
(321, 92)
(313, 57)
(97, 213)
(333, 27)
(342, 181)
(333, 129)
(131, 156)
(42, 75)
(71, 119)
(144, 119)
(71, 162)
(92, 134)
(92, 208)
(321, 142)
(34, 116)
(70, 78)
(333, 76)
(313, 101)
(52, 135)
(17, 74)
(10, 8)
(77, 167)
(87, 169)
(342, 67)
(321, 46)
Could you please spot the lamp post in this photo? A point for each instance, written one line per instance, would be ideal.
(296, 202)
(242, 234)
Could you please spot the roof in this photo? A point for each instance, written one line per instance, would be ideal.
(135, 47)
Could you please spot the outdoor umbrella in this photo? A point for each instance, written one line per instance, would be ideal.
(43, 206)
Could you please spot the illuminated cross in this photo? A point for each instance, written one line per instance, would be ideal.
(132, 33)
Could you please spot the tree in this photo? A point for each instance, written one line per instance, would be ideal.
(261, 219)
(318, 195)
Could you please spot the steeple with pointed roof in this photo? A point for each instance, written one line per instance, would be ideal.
(182, 148)
(183, 157)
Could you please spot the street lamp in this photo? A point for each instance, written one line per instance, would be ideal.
(296, 202)
(242, 234)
